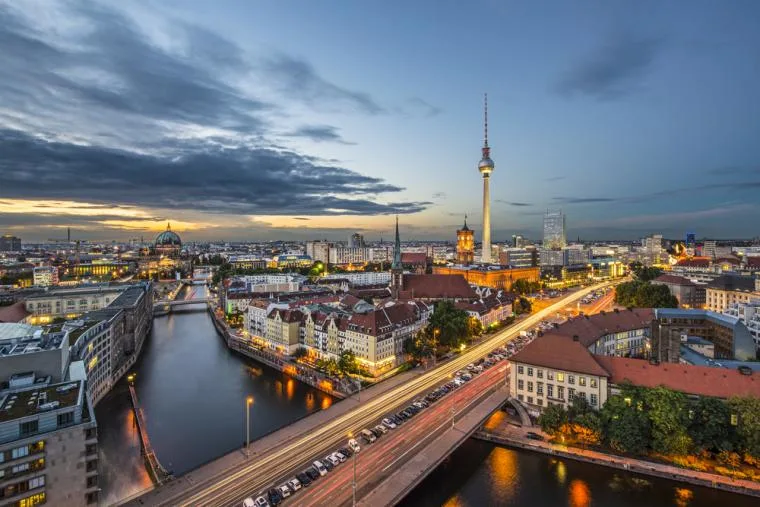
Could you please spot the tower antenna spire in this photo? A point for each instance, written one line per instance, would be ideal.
(485, 118)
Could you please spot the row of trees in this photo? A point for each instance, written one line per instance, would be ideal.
(660, 420)
(524, 287)
(642, 294)
(346, 363)
(644, 273)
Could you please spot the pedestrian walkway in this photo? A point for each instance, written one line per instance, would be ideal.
(510, 435)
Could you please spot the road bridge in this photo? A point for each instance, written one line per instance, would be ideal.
(229, 479)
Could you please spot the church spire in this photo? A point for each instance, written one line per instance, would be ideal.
(397, 250)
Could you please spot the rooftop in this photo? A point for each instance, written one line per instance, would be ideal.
(128, 298)
(673, 280)
(589, 328)
(559, 352)
(9, 330)
(33, 400)
(436, 287)
(32, 343)
(690, 379)
(77, 291)
(733, 283)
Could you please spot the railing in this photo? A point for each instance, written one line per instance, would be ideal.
(160, 474)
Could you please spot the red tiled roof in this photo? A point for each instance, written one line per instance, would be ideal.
(414, 258)
(697, 380)
(730, 260)
(13, 313)
(695, 262)
(753, 262)
(436, 287)
(673, 280)
(589, 328)
(485, 305)
(560, 353)
(383, 320)
(287, 315)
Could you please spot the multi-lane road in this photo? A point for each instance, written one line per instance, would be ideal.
(267, 469)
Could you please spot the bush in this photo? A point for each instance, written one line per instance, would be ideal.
(729, 459)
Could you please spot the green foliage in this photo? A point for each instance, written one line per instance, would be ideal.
(421, 346)
(450, 326)
(643, 273)
(329, 366)
(523, 287)
(300, 352)
(669, 416)
(642, 294)
(710, 428)
(747, 411)
(522, 305)
(578, 408)
(347, 361)
(626, 427)
(552, 419)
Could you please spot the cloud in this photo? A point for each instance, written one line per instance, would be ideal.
(301, 218)
(302, 82)
(582, 200)
(415, 106)
(614, 70)
(191, 175)
(516, 204)
(319, 133)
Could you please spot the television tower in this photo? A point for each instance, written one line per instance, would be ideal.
(485, 167)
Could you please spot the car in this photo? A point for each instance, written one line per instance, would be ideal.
(389, 423)
(534, 436)
(340, 457)
(354, 445)
(275, 497)
(368, 436)
(320, 467)
(303, 478)
(312, 473)
(261, 502)
(376, 432)
(285, 490)
(470, 366)
(344, 453)
(294, 484)
(401, 415)
(327, 463)
(382, 429)
(248, 502)
(419, 405)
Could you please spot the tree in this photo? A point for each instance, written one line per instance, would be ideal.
(578, 408)
(745, 415)
(710, 429)
(552, 419)
(522, 305)
(347, 361)
(300, 352)
(421, 346)
(587, 428)
(669, 415)
(523, 287)
(642, 294)
(449, 324)
(645, 273)
(626, 427)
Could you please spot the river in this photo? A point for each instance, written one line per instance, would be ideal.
(192, 390)
(480, 473)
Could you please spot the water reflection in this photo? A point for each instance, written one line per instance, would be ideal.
(579, 494)
(683, 496)
(192, 390)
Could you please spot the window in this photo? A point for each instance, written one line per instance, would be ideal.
(520, 369)
(520, 384)
(560, 392)
(32, 500)
(530, 399)
(581, 394)
(530, 387)
(581, 381)
(20, 452)
(549, 375)
(530, 372)
(29, 427)
(539, 401)
(571, 379)
(560, 377)
(594, 400)
(540, 373)
(520, 397)
(734, 420)
(592, 382)
(550, 390)
(570, 394)
(17, 469)
(37, 482)
(540, 388)
(65, 419)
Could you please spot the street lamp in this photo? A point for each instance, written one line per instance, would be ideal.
(248, 403)
(353, 482)
(131, 378)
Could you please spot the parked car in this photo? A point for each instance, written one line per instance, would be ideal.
(261, 502)
(327, 463)
(382, 429)
(248, 502)
(303, 479)
(376, 432)
(345, 452)
(312, 473)
(354, 445)
(340, 457)
(389, 424)
(285, 490)
(275, 497)
(368, 436)
(319, 467)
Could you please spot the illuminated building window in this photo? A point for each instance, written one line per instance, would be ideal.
(560, 377)
(32, 500)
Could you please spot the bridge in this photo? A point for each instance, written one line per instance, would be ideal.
(157, 471)
(165, 307)
(387, 469)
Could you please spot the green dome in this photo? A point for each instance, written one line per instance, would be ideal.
(168, 238)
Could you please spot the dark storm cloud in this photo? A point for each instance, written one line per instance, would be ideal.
(614, 70)
(319, 133)
(300, 80)
(195, 176)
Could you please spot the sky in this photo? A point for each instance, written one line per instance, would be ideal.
(307, 120)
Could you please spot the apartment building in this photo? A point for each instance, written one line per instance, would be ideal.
(749, 314)
(728, 289)
(616, 333)
(70, 303)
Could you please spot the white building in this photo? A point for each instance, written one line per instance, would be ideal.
(363, 278)
(319, 250)
(45, 276)
(749, 314)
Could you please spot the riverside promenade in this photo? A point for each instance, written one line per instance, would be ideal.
(505, 433)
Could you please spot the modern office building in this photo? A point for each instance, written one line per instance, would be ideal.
(518, 257)
(356, 240)
(672, 327)
(554, 230)
(709, 249)
(9, 243)
(749, 314)
(45, 276)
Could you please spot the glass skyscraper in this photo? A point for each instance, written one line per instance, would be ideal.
(554, 230)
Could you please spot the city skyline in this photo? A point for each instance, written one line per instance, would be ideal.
(116, 120)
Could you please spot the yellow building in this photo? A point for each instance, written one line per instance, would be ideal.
(498, 278)
(465, 244)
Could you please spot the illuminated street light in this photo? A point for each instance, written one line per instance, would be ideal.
(248, 403)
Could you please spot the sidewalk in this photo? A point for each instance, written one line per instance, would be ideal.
(517, 437)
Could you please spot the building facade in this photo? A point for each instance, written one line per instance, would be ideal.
(465, 245)
(555, 237)
(496, 278)
(689, 294)
(10, 243)
(45, 276)
(727, 290)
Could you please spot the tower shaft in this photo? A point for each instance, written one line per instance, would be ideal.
(486, 256)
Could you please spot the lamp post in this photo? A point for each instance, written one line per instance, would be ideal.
(353, 482)
(248, 403)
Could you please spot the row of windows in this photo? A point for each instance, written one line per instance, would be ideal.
(559, 376)
(593, 400)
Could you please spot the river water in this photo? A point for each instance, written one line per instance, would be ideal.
(192, 390)
(482, 474)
